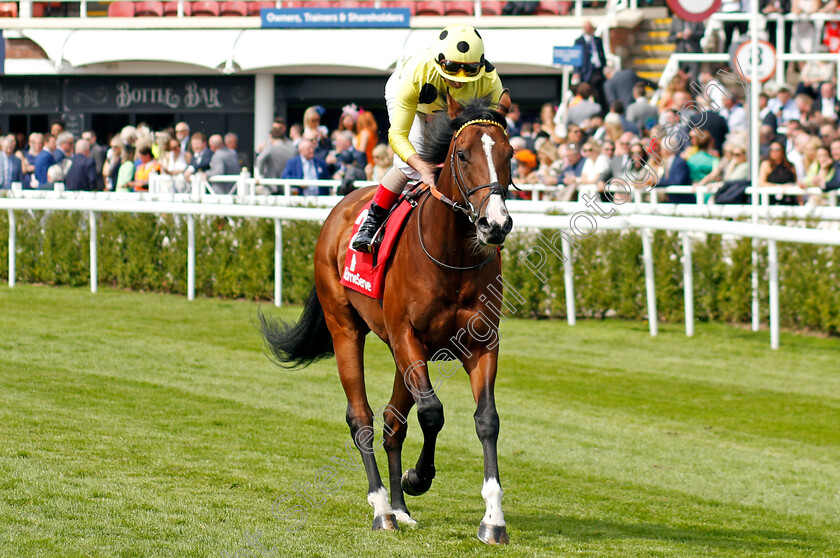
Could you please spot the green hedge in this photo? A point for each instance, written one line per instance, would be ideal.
(235, 259)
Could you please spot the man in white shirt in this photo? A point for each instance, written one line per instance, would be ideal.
(307, 167)
(594, 59)
(783, 106)
(734, 113)
(827, 104)
(182, 134)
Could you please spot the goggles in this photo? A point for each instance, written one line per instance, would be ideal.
(460, 69)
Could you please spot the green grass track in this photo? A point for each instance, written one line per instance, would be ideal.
(144, 425)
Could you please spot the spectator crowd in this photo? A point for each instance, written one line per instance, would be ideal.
(615, 125)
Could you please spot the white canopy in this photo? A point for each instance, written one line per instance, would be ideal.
(288, 51)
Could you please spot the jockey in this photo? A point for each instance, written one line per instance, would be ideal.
(454, 65)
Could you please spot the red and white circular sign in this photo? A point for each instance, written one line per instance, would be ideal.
(742, 61)
(694, 10)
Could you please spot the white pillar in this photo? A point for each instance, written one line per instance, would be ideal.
(12, 247)
(756, 308)
(263, 107)
(780, 40)
(773, 269)
(754, 146)
(25, 9)
(278, 262)
(688, 285)
(650, 283)
(94, 268)
(569, 277)
(190, 257)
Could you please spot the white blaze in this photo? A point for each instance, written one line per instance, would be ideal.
(488, 150)
(491, 491)
(496, 210)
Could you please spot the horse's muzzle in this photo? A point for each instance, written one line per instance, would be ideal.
(493, 234)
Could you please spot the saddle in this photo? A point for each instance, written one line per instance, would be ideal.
(364, 272)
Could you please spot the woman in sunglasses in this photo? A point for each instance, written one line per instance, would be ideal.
(453, 65)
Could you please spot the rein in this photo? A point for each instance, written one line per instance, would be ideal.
(467, 208)
(437, 261)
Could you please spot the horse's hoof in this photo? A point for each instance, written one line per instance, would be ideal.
(386, 522)
(493, 534)
(413, 485)
(404, 518)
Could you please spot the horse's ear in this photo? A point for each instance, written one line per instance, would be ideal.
(504, 102)
(453, 107)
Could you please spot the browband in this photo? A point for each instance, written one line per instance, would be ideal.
(478, 121)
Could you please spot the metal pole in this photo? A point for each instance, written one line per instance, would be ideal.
(12, 247)
(688, 285)
(569, 277)
(754, 146)
(278, 262)
(94, 268)
(190, 257)
(780, 41)
(650, 284)
(773, 268)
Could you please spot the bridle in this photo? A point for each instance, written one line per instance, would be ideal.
(467, 207)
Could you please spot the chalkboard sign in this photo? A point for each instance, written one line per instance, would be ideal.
(74, 123)
(158, 94)
(28, 95)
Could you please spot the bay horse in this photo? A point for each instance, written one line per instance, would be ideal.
(437, 288)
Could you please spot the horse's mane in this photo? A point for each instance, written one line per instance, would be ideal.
(440, 130)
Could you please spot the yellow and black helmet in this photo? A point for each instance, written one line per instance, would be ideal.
(459, 53)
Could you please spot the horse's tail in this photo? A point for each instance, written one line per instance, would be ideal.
(301, 344)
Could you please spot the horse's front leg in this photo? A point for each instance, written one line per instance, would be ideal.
(411, 357)
(482, 371)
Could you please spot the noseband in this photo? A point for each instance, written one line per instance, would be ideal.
(467, 207)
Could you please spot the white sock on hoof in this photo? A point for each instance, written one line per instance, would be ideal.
(492, 493)
(379, 501)
(403, 517)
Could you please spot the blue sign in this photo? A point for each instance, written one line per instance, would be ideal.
(334, 18)
(568, 56)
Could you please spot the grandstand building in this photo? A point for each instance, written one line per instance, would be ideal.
(221, 66)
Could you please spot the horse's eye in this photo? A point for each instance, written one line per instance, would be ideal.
(461, 157)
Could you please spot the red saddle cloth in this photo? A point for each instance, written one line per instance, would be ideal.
(364, 271)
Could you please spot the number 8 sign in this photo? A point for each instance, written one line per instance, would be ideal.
(742, 61)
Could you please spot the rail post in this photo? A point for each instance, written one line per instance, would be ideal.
(688, 285)
(190, 257)
(12, 247)
(569, 278)
(94, 268)
(278, 263)
(773, 268)
(650, 283)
